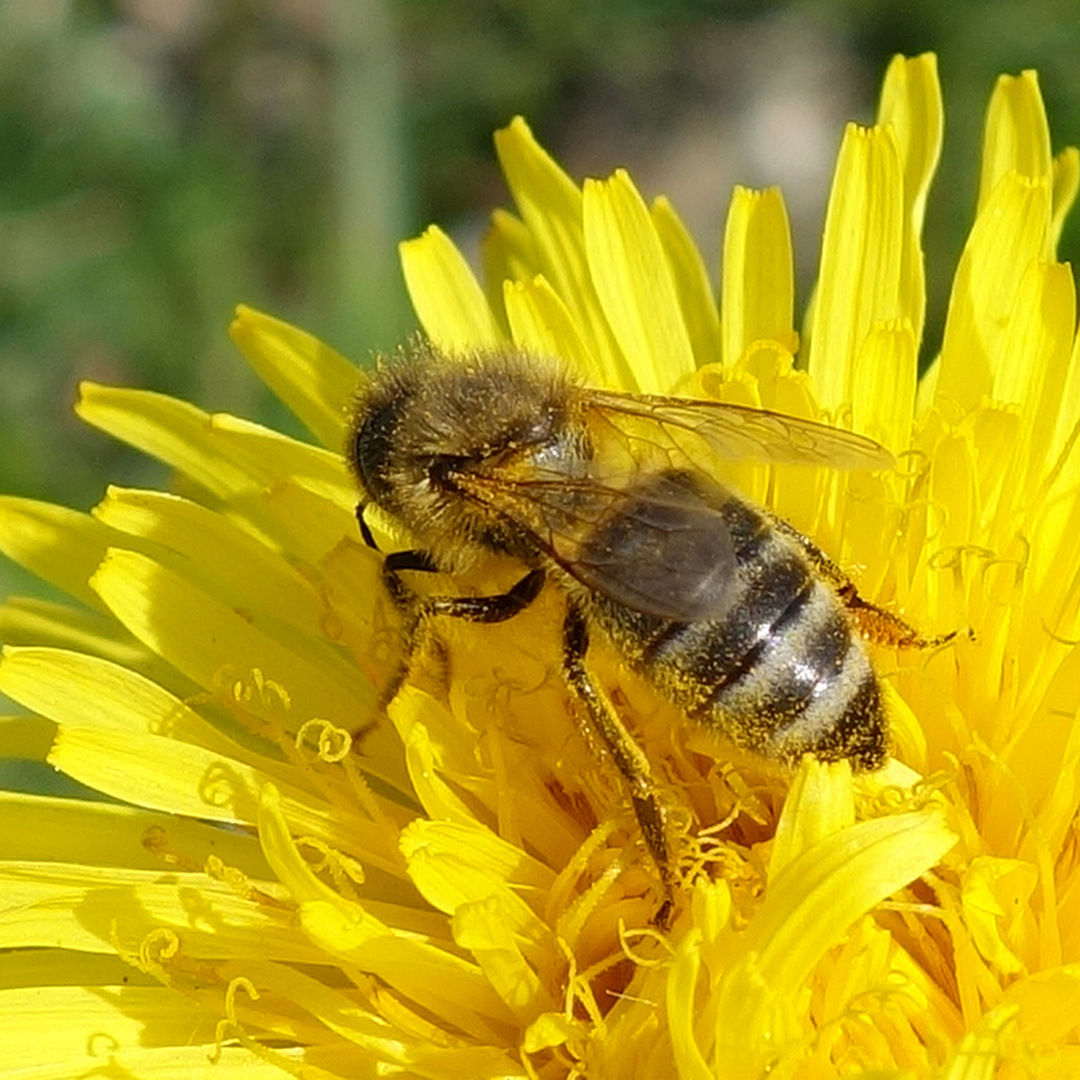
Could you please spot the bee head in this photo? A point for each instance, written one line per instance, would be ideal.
(426, 421)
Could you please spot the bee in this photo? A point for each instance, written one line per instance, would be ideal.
(728, 611)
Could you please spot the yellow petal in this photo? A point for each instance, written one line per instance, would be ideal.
(861, 258)
(1009, 233)
(206, 785)
(1049, 1003)
(758, 274)
(102, 742)
(486, 928)
(541, 323)
(995, 896)
(883, 385)
(681, 994)
(445, 294)
(313, 380)
(821, 801)
(449, 987)
(174, 431)
(1066, 183)
(911, 104)
(978, 1055)
(550, 1029)
(231, 562)
(551, 208)
(73, 688)
(63, 1031)
(41, 622)
(59, 545)
(635, 285)
(696, 296)
(435, 977)
(225, 455)
(97, 909)
(107, 835)
(508, 251)
(205, 639)
(808, 907)
(309, 525)
(58, 967)
(1017, 137)
(1031, 369)
(454, 864)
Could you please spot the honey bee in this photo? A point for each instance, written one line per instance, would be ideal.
(726, 610)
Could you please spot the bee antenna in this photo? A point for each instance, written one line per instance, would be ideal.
(365, 530)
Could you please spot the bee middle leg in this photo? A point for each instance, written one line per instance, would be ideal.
(603, 722)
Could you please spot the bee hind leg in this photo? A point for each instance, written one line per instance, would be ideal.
(883, 626)
(873, 622)
(603, 723)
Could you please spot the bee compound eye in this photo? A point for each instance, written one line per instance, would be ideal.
(370, 449)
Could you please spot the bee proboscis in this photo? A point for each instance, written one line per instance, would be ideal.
(728, 611)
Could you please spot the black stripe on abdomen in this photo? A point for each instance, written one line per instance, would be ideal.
(768, 590)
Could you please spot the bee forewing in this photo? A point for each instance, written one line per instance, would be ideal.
(665, 551)
(657, 544)
(738, 431)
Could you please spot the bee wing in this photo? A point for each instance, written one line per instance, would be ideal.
(739, 431)
(665, 550)
(661, 547)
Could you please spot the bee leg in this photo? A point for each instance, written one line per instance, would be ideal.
(629, 758)
(873, 622)
(829, 570)
(883, 626)
(400, 594)
(489, 609)
(418, 612)
(365, 529)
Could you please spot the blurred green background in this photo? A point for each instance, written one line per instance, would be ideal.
(162, 160)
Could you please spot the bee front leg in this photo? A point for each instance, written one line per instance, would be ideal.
(629, 758)
(418, 612)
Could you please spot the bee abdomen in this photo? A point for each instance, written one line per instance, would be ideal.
(806, 684)
(781, 672)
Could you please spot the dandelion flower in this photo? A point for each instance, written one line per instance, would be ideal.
(465, 893)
